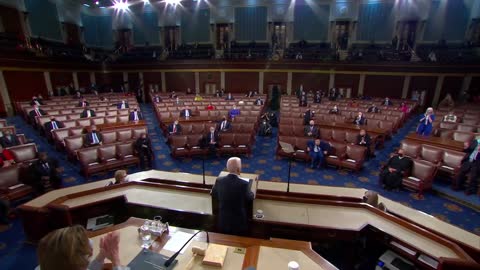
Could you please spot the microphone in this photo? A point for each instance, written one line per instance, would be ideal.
(174, 256)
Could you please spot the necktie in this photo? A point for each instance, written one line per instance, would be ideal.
(95, 138)
(54, 124)
(135, 116)
(186, 113)
(426, 119)
(38, 112)
(83, 104)
(211, 137)
(174, 128)
(311, 128)
(223, 125)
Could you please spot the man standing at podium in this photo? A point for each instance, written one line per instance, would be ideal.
(232, 194)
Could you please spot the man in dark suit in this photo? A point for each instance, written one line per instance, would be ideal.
(318, 97)
(224, 125)
(233, 195)
(87, 112)
(157, 99)
(174, 128)
(229, 97)
(387, 102)
(186, 112)
(122, 105)
(53, 124)
(211, 139)
(373, 109)
(360, 119)
(8, 139)
(334, 110)
(311, 130)
(258, 102)
(93, 137)
(317, 151)
(363, 139)
(470, 167)
(36, 101)
(307, 116)
(303, 102)
(135, 115)
(392, 174)
(46, 173)
(143, 146)
(83, 103)
(36, 111)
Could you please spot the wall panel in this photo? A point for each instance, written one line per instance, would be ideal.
(209, 77)
(420, 83)
(109, 80)
(276, 78)
(22, 85)
(241, 82)
(383, 86)
(83, 79)
(152, 78)
(61, 78)
(180, 81)
(10, 20)
(451, 85)
(250, 23)
(347, 81)
(475, 85)
(311, 22)
(309, 81)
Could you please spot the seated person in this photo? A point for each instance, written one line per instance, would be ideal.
(73, 246)
(224, 125)
(173, 95)
(53, 124)
(178, 101)
(373, 109)
(353, 104)
(447, 101)
(307, 116)
(186, 112)
(93, 137)
(135, 115)
(83, 103)
(470, 167)
(311, 130)
(8, 139)
(265, 127)
(387, 102)
(426, 123)
(403, 107)
(46, 173)
(371, 197)
(198, 97)
(250, 94)
(318, 97)
(393, 172)
(189, 91)
(217, 94)
(143, 146)
(363, 139)
(211, 139)
(234, 112)
(360, 119)
(210, 107)
(157, 99)
(303, 101)
(317, 151)
(36, 111)
(120, 177)
(450, 117)
(6, 157)
(87, 112)
(334, 110)
(174, 128)
(258, 102)
(36, 101)
(229, 97)
(122, 105)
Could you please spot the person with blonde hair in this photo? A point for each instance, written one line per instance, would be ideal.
(120, 176)
(426, 123)
(371, 197)
(70, 249)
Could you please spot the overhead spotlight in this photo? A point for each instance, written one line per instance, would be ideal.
(146, 1)
(173, 2)
(97, 3)
(120, 5)
(87, 5)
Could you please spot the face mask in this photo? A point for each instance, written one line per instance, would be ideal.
(400, 155)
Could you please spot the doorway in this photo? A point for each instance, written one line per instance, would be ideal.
(407, 31)
(223, 36)
(341, 34)
(210, 88)
(279, 36)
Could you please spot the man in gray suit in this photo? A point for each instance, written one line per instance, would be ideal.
(233, 195)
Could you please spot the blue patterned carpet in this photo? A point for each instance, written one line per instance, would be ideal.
(15, 254)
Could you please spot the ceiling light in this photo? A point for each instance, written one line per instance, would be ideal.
(97, 3)
(87, 5)
(173, 2)
(121, 5)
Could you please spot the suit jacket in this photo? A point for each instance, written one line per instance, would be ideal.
(389, 103)
(360, 121)
(232, 195)
(373, 110)
(139, 146)
(313, 130)
(9, 142)
(366, 138)
(84, 113)
(178, 131)
(258, 102)
(230, 98)
(32, 113)
(307, 116)
(157, 99)
(49, 126)
(334, 112)
(324, 146)
(80, 104)
(89, 138)
(183, 112)
(119, 105)
(470, 149)
(40, 170)
(227, 127)
(40, 102)
(209, 137)
(317, 99)
(131, 116)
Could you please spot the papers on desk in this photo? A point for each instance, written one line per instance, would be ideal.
(177, 241)
(147, 260)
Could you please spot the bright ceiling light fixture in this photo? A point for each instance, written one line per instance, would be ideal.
(173, 2)
(121, 5)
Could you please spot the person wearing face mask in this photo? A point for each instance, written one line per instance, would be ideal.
(224, 125)
(8, 139)
(360, 119)
(53, 124)
(334, 110)
(122, 105)
(135, 115)
(211, 139)
(72, 245)
(363, 139)
(426, 123)
(470, 167)
(143, 146)
(311, 130)
(93, 137)
(307, 116)
(46, 174)
(317, 151)
(393, 172)
(174, 128)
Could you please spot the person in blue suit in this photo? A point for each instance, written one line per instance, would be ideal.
(317, 151)
(426, 123)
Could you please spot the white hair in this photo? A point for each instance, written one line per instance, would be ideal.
(429, 109)
(234, 165)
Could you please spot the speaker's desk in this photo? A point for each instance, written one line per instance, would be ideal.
(257, 253)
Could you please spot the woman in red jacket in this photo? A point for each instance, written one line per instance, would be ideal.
(6, 157)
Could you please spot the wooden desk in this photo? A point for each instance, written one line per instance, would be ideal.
(371, 131)
(435, 141)
(260, 254)
(130, 124)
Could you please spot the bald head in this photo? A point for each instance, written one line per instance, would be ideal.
(234, 165)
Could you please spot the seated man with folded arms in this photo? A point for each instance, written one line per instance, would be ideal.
(174, 128)
(334, 110)
(393, 172)
(311, 130)
(69, 248)
(8, 139)
(450, 117)
(317, 151)
(87, 112)
(186, 112)
(46, 173)
(211, 139)
(93, 137)
(143, 146)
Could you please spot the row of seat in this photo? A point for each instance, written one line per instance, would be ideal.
(3, 123)
(74, 143)
(203, 108)
(455, 127)
(106, 157)
(202, 128)
(340, 155)
(75, 120)
(11, 186)
(460, 136)
(196, 145)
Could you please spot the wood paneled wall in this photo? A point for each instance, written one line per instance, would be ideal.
(22, 85)
(382, 86)
(180, 81)
(211, 78)
(348, 81)
(239, 82)
(83, 79)
(314, 81)
(61, 78)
